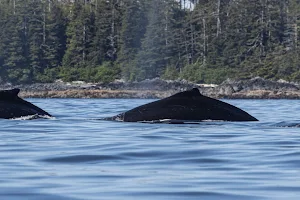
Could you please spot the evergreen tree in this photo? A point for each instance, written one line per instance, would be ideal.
(133, 30)
(14, 43)
(41, 40)
(154, 55)
(102, 29)
(35, 14)
(2, 33)
(54, 41)
(79, 31)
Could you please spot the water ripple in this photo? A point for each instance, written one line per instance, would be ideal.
(75, 156)
(82, 158)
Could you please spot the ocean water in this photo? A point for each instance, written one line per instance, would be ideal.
(77, 156)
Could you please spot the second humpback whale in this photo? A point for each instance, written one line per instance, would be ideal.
(12, 106)
(184, 106)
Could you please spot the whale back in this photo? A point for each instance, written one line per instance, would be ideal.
(189, 105)
(9, 94)
(12, 106)
(193, 93)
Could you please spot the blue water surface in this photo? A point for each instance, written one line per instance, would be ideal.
(76, 156)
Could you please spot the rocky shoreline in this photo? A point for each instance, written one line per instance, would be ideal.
(256, 88)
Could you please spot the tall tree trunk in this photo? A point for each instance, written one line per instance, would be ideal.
(84, 42)
(204, 40)
(14, 6)
(44, 25)
(296, 31)
(262, 29)
(218, 18)
(192, 43)
(112, 36)
(49, 6)
(166, 27)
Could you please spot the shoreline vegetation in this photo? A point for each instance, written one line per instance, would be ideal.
(255, 88)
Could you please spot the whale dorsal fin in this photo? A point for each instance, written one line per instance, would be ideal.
(9, 94)
(189, 93)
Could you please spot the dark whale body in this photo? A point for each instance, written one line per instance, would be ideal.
(182, 107)
(12, 106)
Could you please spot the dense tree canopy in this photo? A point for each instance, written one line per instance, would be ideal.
(101, 40)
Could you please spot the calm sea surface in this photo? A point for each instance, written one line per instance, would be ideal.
(76, 156)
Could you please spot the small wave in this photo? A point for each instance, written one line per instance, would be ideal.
(195, 195)
(284, 124)
(29, 193)
(82, 158)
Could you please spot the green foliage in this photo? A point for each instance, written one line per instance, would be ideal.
(20, 75)
(171, 73)
(49, 75)
(106, 73)
(69, 74)
(103, 73)
(132, 32)
(41, 41)
(200, 73)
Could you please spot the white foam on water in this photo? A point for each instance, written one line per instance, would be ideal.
(31, 117)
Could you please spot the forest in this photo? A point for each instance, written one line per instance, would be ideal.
(103, 40)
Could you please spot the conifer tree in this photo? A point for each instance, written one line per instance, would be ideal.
(2, 49)
(78, 39)
(153, 57)
(54, 41)
(15, 44)
(41, 40)
(133, 30)
(35, 36)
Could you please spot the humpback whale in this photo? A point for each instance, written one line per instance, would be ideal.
(12, 106)
(185, 106)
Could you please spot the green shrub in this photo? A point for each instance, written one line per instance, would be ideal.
(204, 74)
(171, 73)
(69, 74)
(107, 72)
(20, 76)
(49, 75)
